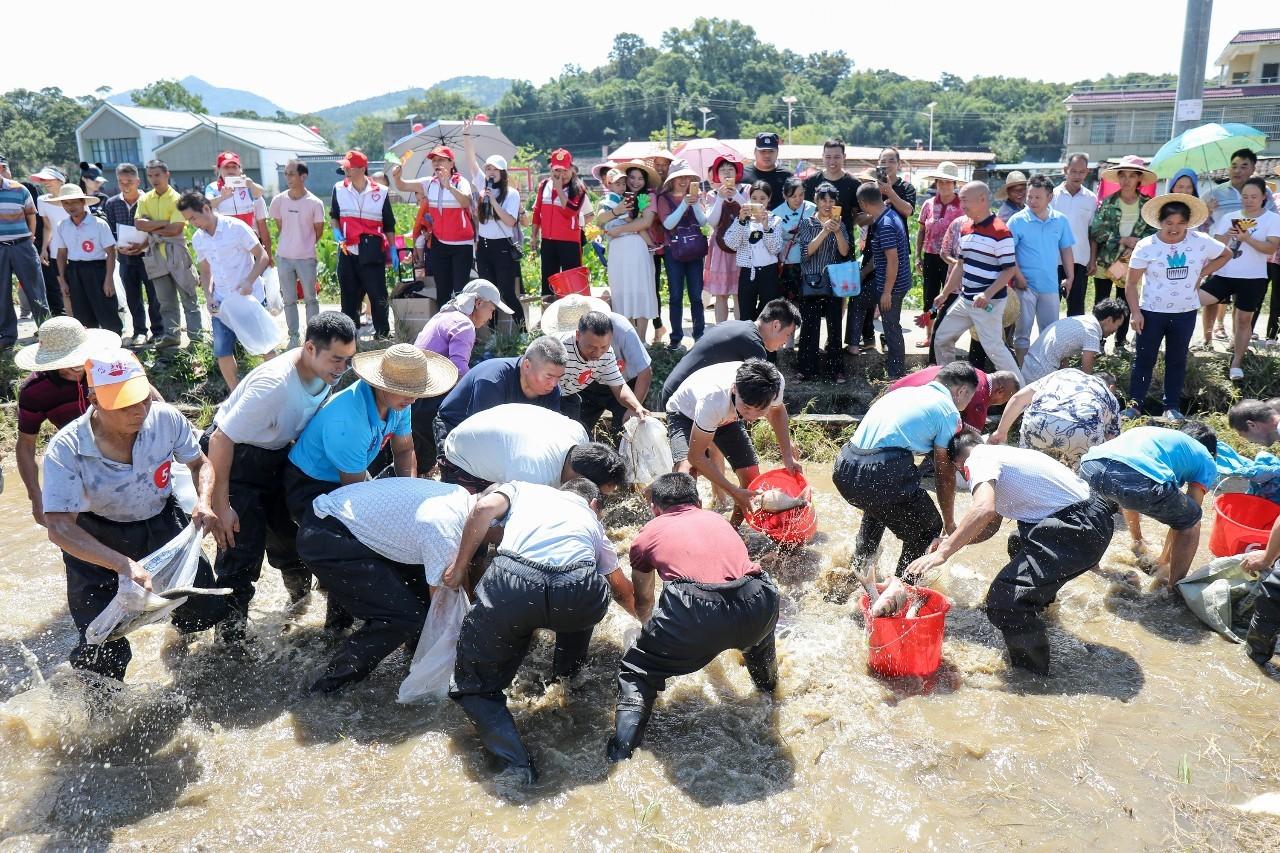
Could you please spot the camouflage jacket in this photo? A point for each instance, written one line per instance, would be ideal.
(1105, 231)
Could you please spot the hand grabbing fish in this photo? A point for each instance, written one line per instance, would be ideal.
(776, 500)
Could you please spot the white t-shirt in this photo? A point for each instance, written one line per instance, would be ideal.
(55, 213)
(1172, 270)
(706, 397)
(270, 407)
(1065, 338)
(1248, 261)
(555, 528)
(87, 241)
(495, 229)
(409, 520)
(1029, 485)
(229, 253)
(514, 441)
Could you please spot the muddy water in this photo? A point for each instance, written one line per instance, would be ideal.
(1148, 725)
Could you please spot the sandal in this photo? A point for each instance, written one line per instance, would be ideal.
(925, 344)
(1220, 334)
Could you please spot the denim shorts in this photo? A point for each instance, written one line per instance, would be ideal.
(224, 340)
(1136, 491)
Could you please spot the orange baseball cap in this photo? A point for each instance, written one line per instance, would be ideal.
(117, 379)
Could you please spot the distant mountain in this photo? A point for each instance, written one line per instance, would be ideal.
(485, 91)
(217, 100)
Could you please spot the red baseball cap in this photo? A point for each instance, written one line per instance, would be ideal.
(561, 159)
(354, 160)
(228, 157)
(441, 152)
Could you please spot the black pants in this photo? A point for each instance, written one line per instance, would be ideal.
(89, 304)
(90, 588)
(692, 624)
(657, 288)
(53, 290)
(257, 494)
(885, 485)
(513, 600)
(558, 256)
(495, 263)
(1050, 553)
(1102, 290)
(1264, 625)
(451, 268)
(595, 400)
(813, 310)
(933, 270)
(756, 288)
(1273, 313)
(571, 404)
(357, 280)
(1079, 284)
(300, 489)
(134, 278)
(390, 598)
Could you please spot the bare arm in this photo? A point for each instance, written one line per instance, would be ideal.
(700, 444)
(643, 584)
(622, 590)
(954, 275)
(623, 394)
(403, 455)
(981, 513)
(29, 471)
(780, 420)
(206, 277)
(221, 453)
(76, 541)
(109, 281)
(1012, 411)
(488, 509)
(643, 381)
(945, 477)
(1086, 361)
(261, 260)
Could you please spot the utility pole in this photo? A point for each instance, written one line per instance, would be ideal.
(790, 101)
(668, 120)
(932, 104)
(1195, 48)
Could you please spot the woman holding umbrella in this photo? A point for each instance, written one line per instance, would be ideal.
(1115, 231)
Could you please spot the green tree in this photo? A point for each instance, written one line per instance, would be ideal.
(39, 127)
(366, 134)
(168, 95)
(436, 103)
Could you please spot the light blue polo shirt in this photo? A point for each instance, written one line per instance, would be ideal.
(1037, 244)
(1164, 455)
(919, 419)
(346, 435)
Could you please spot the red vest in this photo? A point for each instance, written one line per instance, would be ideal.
(360, 212)
(556, 222)
(450, 222)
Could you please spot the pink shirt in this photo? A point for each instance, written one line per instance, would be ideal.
(298, 219)
(934, 219)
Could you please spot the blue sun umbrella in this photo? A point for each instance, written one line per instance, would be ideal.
(1206, 148)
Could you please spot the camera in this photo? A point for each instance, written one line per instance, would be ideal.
(882, 174)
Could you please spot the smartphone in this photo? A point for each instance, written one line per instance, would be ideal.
(835, 211)
(881, 174)
(752, 208)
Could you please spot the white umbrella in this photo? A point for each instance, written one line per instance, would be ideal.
(413, 149)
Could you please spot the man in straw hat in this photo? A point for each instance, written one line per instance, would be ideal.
(18, 256)
(528, 444)
(85, 252)
(248, 448)
(109, 502)
(380, 548)
(555, 570)
(582, 324)
(55, 391)
(1013, 195)
(532, 378)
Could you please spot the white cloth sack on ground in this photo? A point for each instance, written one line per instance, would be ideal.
(254, 327)
(271, 286)
(173, 566)
(432, 667)
(1221, 594)
(184, 488)
(644, 446)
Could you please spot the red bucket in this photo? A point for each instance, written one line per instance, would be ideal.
(900, 645)
(795, 526)
(1241, 521)
(576, 280)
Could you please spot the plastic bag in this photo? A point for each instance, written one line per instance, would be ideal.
(275, 297)
(254, 327)
(644, 446)
(173, 566)
(184, 488)
(432, 667)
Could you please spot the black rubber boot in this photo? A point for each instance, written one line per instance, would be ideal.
(337, 675)
(297, 583)
(336, 620)
(764, 673)
(1261, 644)
(1029, 651)
(628, 731)
(497, 731)
(1264, 626)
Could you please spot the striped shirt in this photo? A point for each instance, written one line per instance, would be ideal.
(120, 212)
(579, 372)
(986, 249)
(828, 252)
(15, 204)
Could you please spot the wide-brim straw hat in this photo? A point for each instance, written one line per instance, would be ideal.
(1151, 209)
(62, 342)
(599, 170)
(1129, 163)
(683, 171)
(71, 192)
(562, 316)
(650, 173)
(406, 370)
(946, 171)
(1015, 179)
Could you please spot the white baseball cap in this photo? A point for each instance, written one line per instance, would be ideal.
(497, 161)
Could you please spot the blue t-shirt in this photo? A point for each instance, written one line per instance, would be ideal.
(890, 233)
(488, 384)
(346, 435)
(1038, 245)
(919, 419)
(1164, 455)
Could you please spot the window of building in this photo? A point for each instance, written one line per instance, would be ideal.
(1163, 130)
(1102, 130)
(1239, 78)
(1270, 72)
(112, 152)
